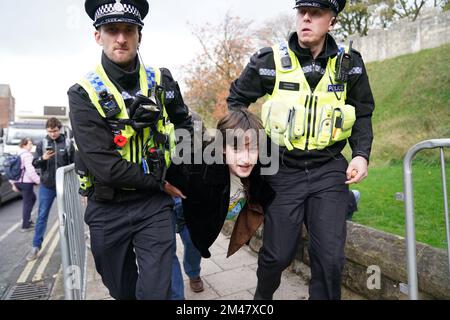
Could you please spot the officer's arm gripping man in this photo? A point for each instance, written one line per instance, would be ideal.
(94, 139)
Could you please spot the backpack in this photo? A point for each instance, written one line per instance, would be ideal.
(13, 167)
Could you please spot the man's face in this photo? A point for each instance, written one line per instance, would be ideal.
(53, 133)
(119, 41)
(312, 25)
(241, 159)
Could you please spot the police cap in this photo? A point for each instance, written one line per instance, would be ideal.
(335, 5)
(116, 11)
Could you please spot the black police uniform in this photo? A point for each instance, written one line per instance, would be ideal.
(131, 234)
(310, 185)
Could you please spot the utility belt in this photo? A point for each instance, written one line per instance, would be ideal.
(307, 127)
(99, 192)
(103, 193)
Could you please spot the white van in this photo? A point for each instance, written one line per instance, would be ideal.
(16, 131)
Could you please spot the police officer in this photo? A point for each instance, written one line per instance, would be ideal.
(318, 98)
(123, 115)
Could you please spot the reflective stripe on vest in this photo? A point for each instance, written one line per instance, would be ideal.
(296, 117)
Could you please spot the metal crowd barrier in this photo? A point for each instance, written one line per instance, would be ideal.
(72, 232)
(409, 209)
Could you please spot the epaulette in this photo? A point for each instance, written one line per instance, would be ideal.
(263, 52)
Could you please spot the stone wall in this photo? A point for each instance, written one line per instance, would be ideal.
(367, 247)
(430, 30)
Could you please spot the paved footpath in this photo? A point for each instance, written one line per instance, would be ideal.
(231, 278)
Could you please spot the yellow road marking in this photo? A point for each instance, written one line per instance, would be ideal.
(40, 270)
(26, 272)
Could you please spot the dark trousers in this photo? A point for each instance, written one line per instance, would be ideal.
(29, 199)
(319, 198)
(132, 244)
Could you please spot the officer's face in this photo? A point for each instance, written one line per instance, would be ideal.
(312, 25)
(120, 42)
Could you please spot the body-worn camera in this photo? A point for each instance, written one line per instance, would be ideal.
(343, 65)
(108, 104)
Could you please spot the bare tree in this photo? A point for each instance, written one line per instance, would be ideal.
(409, 9)
(359, 16)
(275, 30)
(446, 5)
(225, 51)
(440, 3)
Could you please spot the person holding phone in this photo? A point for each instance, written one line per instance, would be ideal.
(53, 152)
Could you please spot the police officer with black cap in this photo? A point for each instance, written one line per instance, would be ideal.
(123, 115)
(319, 98)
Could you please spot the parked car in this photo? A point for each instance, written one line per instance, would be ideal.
(6, 191)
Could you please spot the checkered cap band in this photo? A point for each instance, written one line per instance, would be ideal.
(335, 5)
(110, 9)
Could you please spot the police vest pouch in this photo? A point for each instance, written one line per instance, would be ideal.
(86, 188)
(324, 127)
(343, 121)
(298, 122)
(277, 115)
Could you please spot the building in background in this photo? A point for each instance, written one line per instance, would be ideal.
(7, 105)
(43, 113)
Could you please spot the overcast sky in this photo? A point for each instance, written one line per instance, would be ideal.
(48, 45)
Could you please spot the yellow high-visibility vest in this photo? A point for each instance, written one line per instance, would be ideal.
(296, 117)
(97, 81)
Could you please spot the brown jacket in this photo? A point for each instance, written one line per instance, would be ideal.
(207, 188)
(247, 223)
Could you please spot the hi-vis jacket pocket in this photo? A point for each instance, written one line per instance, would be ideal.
(297, 122)
(324, 127)
(344, 118)
(275, 116)
(283, 121)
